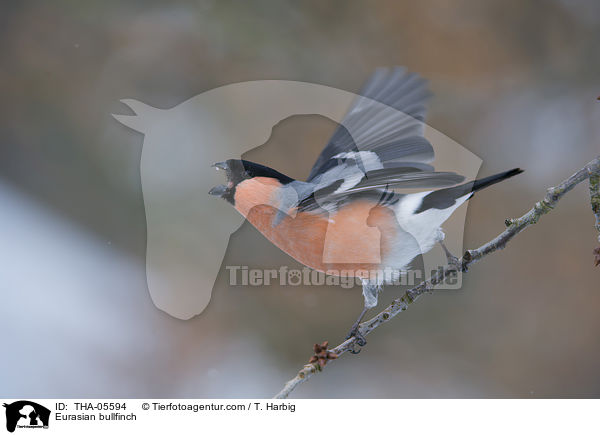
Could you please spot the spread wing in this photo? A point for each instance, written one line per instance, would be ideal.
(386, 121)
(378, 146)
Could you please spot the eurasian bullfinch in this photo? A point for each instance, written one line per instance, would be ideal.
(357, 181)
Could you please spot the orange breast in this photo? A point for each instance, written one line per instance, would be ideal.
(352, 241)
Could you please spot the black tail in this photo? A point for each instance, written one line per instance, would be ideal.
(445, 198)
(493, 179)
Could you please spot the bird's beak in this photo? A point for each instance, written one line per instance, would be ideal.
(221, 189)
(221, 165)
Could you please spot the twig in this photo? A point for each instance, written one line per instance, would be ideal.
(595, 198)
(590, 171)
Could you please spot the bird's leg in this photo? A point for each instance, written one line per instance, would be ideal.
(370, 293)
(355, 331)
(452, 260)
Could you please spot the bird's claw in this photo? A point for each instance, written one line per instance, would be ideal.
(354, 351)
(453, 262)
(359, 339)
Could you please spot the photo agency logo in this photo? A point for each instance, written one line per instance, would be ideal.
(381, 151)
(284, 276)
(25, 414)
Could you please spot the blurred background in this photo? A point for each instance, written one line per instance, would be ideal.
(514, 82)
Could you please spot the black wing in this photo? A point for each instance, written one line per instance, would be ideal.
(378, 147)
(376, 185)
(387, 119)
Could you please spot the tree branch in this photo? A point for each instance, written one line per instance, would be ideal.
(590, 171)
(595, 198)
